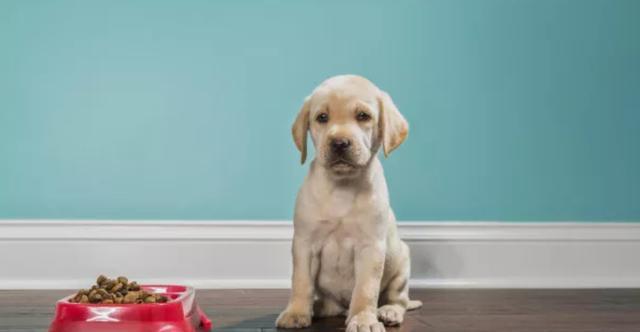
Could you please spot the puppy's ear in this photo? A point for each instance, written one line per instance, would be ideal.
(392, 125)
(300, 128)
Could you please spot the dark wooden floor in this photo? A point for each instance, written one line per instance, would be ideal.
(444, 310)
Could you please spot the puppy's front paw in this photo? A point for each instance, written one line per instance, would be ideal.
(290, 319)
(364, 321)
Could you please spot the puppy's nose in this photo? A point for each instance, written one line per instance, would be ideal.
(340, 144)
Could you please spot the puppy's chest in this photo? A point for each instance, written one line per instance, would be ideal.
(340, 223)
(335, 248)
(340, 204)
(342, 217)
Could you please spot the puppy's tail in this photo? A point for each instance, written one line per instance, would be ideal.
(414, 304)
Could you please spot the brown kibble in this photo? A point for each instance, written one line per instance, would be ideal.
(96, 298)
(131, 297)
(116, 287)
(118, 291)
(108, 284)
(101, 279)
(76, 298)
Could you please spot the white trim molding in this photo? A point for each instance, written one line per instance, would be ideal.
(256, 254)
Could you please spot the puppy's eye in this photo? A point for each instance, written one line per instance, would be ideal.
(322, 118)
(363, 116)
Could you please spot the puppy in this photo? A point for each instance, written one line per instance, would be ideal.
(347, 256)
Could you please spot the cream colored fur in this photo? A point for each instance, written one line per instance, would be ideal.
(347, 256)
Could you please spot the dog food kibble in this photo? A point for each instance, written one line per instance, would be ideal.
(118, 291)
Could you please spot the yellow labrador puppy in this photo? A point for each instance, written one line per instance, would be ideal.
(347, 256)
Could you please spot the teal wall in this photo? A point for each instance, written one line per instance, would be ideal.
(519, 110)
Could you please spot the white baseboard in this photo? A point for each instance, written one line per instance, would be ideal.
(42, 254)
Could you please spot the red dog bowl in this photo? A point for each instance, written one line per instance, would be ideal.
(180, 314)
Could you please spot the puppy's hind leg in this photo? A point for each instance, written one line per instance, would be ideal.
(396, 302)
(395, 298)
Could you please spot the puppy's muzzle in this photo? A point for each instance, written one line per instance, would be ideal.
(340, 159)
(340, 145)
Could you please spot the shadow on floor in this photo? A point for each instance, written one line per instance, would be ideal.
(266, 323)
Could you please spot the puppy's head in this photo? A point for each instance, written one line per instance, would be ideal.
(349, 119)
